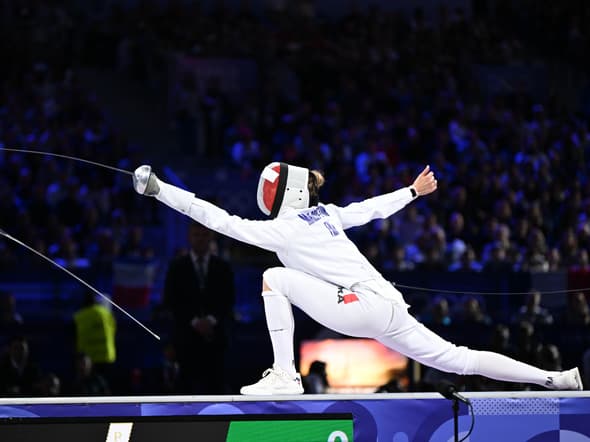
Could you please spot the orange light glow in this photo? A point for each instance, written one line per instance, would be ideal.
(352, 363)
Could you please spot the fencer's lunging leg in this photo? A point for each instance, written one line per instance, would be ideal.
(500, 367)
(279, 319)
(413, 339)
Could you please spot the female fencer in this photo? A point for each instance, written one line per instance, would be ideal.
(326, 276)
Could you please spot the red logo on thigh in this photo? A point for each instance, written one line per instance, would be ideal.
(351, 297)
(346, 298)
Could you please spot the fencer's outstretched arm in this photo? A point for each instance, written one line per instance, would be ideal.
(383, 206)
(270, 235)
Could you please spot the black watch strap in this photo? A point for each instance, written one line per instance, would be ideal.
(414, 193)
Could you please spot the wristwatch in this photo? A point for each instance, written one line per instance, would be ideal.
(414, 193)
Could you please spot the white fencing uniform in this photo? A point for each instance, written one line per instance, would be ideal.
(310, 240)
(329, 279)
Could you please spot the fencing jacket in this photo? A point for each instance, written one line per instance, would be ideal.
(310, 240)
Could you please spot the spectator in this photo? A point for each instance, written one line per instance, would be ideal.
(394, 385)
(533, 312)
(9, 317)
(439, 313)
(577, 312)
(398, 261)
(86, 381)
(246, 151)
(187, 115)
(95, 334)
(410, 226)
(215, 106)
(498, 261)
(432, 244)
(199, 293)
(135, 245)
(50, 385)
(66, 252)
(467, 263)
(549, 357)
(19, 375)
(554, 260)
(165, 378)
(456, 246)
(472, 312)
(535, 257)
(501, 239)
(569, 248)
(7, 258)
(500, 341)
(316, 381)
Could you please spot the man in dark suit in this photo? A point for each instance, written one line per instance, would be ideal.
(199, 292)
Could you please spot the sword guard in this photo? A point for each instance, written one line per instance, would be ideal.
(145, 181)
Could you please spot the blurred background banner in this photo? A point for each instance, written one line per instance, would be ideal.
(133, 282)
(353, 365)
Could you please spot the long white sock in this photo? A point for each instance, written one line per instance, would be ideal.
(280, 323)
(503, 368)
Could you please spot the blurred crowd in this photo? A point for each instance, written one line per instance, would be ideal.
(371, 96)
(77, 214)
(368, 97)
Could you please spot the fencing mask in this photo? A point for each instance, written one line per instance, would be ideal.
(280, 186)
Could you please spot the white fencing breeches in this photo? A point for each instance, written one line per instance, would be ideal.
(375, 309)
(364, 313)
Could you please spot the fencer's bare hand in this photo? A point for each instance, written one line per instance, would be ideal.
(425, 183)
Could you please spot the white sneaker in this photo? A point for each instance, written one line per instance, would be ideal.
(566, 380)
(274, 381)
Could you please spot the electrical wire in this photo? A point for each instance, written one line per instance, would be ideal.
(77, 278)
(472, 422)
(468, 292)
